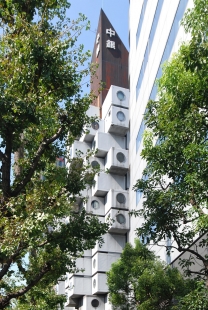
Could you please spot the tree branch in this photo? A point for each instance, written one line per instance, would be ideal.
(185, 221)
(2, 156)
(196, 272)
(35, 162)
(6, 165)
(4, 301)
(5, 268)
(42, 244)
(181, 249)
(200, 257)
(164, 188)
(9, 261)
(194, 204)
(20, 267)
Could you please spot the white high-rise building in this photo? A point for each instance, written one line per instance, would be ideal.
(107, 199)
(154, 34)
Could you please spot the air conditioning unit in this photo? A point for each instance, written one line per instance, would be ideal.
(99, 284)
(91, 130)
(79, 286)
(112, 243)
(117, 161)
(101, 262)
(116, 199)
(104, 141)
(117, 96)
(95, 205)
(117, 121)
(119, 221)
(94, 302)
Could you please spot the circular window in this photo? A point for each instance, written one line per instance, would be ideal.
(94, 283)
(95, 164)
(120, 95)
(94, 263)
(95, 204)
(120, 116)
(95, 125)
(120, 156)
(120, 218)
(95, 303)
(121, 198)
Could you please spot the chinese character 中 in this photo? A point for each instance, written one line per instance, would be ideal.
(111, 32)
(110, 44)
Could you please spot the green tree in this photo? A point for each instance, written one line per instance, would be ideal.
(195, 300)
(42, 112)
(138, 280)
(40, 297)
(175, 182)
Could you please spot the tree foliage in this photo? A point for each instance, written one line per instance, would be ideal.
(138, 280)
(175, 182)
(195, 300)
(40, 297)
(42, 112)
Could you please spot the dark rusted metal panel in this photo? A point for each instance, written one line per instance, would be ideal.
(111, 56)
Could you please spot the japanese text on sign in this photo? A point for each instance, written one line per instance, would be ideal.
(111, 32)
(109, 43)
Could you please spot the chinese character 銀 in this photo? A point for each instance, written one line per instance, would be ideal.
(110, 44)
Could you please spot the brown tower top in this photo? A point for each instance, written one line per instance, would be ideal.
(112, 58)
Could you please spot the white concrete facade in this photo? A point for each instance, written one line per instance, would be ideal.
(108, 199)
(155, 34)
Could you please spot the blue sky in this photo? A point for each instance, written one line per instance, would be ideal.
(116, 10)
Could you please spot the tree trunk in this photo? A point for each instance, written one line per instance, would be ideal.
(18, 155)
